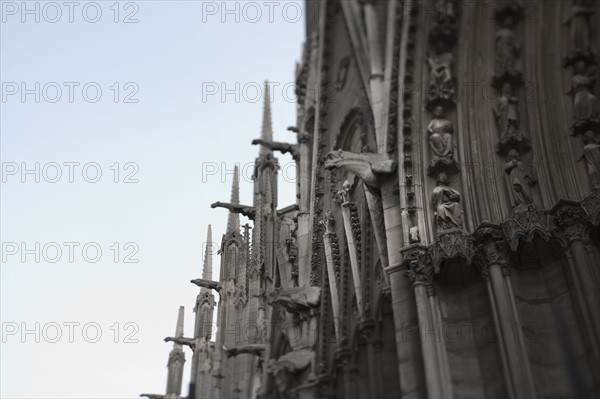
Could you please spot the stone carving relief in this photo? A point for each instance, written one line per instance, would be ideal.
(521, 179)
(288, 366)
(506, 111)
(591, 156)
(441, 141)
(579, 23)
(447, 205)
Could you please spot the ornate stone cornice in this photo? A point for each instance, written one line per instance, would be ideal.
(525, 224)
(451, 245)
(570, 219)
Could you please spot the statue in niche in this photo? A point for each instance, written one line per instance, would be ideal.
(441, 141)
(521, 179)
(585, 104)
(579, 21)
(414, 234)
(447, 206)
(506, 111)
(441, 81)
(591, 155)
(446, 9)
(507, 50)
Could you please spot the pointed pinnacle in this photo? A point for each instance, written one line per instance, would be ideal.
(208, 256)
(179, 329)
(233, 220)
(267, 128)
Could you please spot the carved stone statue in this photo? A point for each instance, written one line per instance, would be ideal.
(506, 111)
(414, 234)
(284, 148)
(251, 349)
(441, 141)
(441, 81)
(245, 210)
(288, 365)
(507, 50)
(591, 155)
(580, 24)
(585, 104)
(521, 179)
(447, 205)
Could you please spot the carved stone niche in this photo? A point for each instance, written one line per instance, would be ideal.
(451, 252)
(506, 48)
(586, 113)
(292, 369)
(525, 225)
(591, 205)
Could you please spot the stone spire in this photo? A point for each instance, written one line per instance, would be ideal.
(233, 221)
(267, 127)
(179, 328)
(208, 256)
(176, 361)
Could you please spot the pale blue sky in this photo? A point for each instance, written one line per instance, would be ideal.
(170, 133)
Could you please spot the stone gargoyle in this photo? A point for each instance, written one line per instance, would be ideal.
(211, 285)
(284, 148)
(370, 167)
(296, 300)
(251, 349)
(191, 342)
(245, 210)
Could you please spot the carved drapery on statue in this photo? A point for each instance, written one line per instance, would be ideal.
(506, 110)
(591, 156)
(507, 49)
(447, 206)
(521, 179)
(585, 103)
(441, 141)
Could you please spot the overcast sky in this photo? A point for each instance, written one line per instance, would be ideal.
(116, 135)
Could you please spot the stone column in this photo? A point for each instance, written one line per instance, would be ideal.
(420, 274)
(495, 270)
(570, 218)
